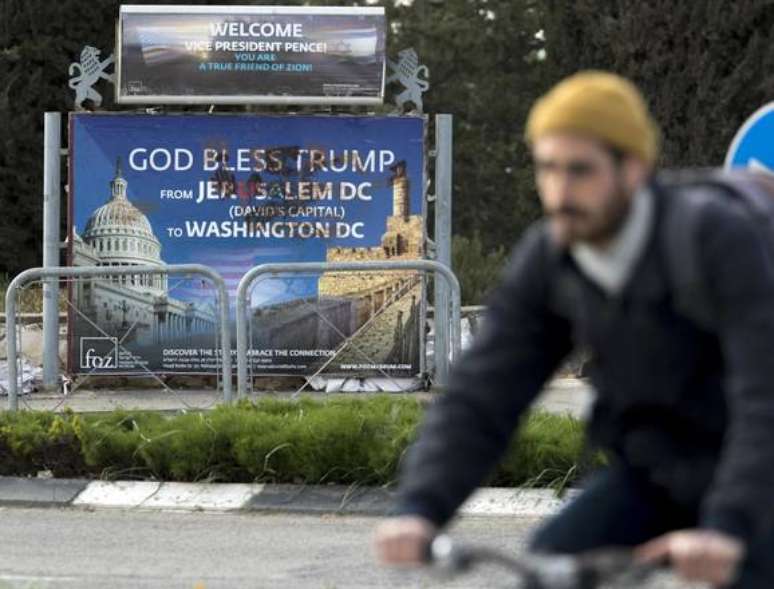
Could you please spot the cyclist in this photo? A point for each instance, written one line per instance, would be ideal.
(685, 412)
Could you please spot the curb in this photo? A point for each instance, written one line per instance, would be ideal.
(39, 492)
(231, 497)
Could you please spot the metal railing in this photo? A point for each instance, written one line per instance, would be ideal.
(98, 271)
(452, 318)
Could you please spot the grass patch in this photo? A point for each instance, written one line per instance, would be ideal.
(343, 441)
(549, 451)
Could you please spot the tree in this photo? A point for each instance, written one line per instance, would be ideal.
(704, 66)
(38, 40)
(478, 271)
(482, 70)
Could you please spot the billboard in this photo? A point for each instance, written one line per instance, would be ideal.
(232, 192)
(250, 54)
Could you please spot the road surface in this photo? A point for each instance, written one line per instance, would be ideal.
(69, 548)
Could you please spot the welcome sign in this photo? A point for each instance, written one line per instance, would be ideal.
(250, 54)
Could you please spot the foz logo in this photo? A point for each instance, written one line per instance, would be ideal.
(99, 352)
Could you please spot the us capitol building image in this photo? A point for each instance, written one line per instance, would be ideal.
(119, 234)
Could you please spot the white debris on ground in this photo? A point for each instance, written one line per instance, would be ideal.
(30, 377)
(466, 339)
(364, 385)
(467, 333)
(30, 370)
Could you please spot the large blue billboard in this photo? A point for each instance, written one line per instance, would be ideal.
(234, 191)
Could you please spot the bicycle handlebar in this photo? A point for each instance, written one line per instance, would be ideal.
(543, 571)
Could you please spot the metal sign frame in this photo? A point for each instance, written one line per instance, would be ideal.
(450, 315)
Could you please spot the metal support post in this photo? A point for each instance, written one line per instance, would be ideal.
(443, 240)
(51, 208)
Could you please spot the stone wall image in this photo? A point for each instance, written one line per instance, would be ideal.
(361, 320)
(386, 303)
(303, 324)
(389, 336)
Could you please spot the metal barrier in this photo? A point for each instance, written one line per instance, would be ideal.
(90, 271)
(319, 267)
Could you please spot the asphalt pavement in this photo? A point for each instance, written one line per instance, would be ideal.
(119, 548)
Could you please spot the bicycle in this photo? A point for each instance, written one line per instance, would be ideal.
(588, 570)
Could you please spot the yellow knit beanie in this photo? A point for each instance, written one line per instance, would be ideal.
(601, 105)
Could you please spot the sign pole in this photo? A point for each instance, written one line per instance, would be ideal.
(443, 242)
(51, 206)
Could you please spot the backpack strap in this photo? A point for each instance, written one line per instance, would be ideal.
(680, 241)
(688, 194)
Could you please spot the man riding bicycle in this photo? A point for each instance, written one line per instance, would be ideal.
(684, 411)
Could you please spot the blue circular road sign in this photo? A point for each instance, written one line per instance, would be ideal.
(753, 145)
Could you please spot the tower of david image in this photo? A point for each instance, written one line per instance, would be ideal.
(367, 320)
(133, 308)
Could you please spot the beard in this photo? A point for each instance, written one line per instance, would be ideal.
(573, 224)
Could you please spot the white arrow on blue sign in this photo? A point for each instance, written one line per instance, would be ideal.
(753, 145)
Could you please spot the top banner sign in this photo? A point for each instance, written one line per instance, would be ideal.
(250, 54)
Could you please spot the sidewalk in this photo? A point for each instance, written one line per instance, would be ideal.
(561, 396)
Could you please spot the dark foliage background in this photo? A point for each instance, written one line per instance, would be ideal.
(704, 66)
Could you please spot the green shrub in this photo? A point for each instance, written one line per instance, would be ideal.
(113, 444)
(32, 441)
(343, 441)
(478, 271)
(549, 451)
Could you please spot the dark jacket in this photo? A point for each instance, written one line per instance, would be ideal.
(692, 407)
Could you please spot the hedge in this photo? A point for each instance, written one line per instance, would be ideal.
(341, 441)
